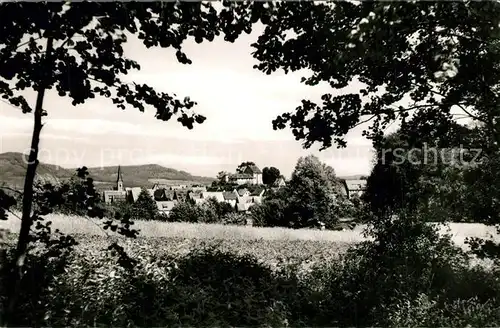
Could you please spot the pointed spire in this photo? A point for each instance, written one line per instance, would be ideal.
(119, 177)
(119, 180)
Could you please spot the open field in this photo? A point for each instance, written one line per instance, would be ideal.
(87, 226)
(267, 244)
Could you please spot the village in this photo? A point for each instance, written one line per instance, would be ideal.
(246, 188)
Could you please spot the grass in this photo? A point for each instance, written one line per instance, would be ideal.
(79, 225)
(267, 244)
(87, 226)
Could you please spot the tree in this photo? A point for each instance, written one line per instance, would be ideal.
(193, 213)
(243, 166)
(144, 207)
(220, 209)
(425, 76)
(185, 212)
(270, 175)
(311, 193)
(402, 178)
(273, 211)
(215, 211)
(76, 49)
(448, 60)
(221, 177)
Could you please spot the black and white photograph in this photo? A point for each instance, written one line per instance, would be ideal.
(249, 164)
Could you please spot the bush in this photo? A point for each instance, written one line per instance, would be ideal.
(408, 275)
(186, 212)
(271, 213)
(235, 218)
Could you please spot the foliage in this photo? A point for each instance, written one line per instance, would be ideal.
(309, 199)
(270, 175)
(235, 218)
(6, 203)
(83, 29)
(273, 211)
(210, 211)
(220, 209)
(243, 166)
(221, 178)
(222, 186)
(45, 43)
(310, 193)
(450, 64)
(446, 64)
(79, 194)
(144, 207)
(185, 212)
(385, 282)
(442, 183)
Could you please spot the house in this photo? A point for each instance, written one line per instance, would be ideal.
(133, 194)
(355, 187)
(255, 172)
(249, 174)
(241, 178)
(118, 194)
(280, 182)
(165, 207)
(230, 197)
(243, 192)
(219, 195)
(181, 195)
(196, 197)
(257, 194)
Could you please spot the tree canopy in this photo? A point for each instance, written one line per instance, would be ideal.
(307, 200)
(144, 207)
(270, 175)
(77, 49)
(243, 166)
(412, 61)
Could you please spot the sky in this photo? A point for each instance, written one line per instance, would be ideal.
(239, 102)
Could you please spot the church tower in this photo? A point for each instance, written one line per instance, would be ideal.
(119, 180)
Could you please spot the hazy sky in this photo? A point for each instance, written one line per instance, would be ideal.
(238, 101)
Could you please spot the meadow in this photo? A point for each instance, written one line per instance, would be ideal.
(266, 244)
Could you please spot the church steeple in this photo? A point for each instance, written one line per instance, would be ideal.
(119, 180)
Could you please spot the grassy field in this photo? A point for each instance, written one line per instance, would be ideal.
(268, 244)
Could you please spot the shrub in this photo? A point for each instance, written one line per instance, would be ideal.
(408, 275)
(144, 208)
(186, 212)
(235, 218)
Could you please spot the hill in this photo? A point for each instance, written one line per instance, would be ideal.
(13, 168)
(145, 175)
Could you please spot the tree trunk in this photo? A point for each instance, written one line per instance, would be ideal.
(27, 205)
